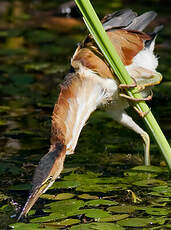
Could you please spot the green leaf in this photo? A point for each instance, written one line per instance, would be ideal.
(61, 196)
(95, 213)
(65, 184)
(156, 211)
(114, 218)
(162, 190)
(64, 223)
(46, 219)
(134, 222)
(97, 226)
(122, 209)
(65, 205)
(149, 182)
(60, 209)
(88, 197)
(103, 188)
(23, 226)
(100, 202)
(151, 168)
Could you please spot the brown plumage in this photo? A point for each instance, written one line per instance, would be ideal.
(92, 84)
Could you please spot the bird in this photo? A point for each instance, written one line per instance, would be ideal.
(91, 83)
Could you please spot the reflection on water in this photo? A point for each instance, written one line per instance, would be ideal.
(35, 50)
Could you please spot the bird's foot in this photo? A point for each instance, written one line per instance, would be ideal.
(125, 86)
(148, 98)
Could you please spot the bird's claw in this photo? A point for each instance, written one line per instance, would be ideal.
(125, 86)
(141, 114)
(148, 98)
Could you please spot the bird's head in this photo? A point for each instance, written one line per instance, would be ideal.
(48, 169)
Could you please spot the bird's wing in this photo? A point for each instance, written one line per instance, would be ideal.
(141, 22)
(119, 19)
(128, 43)
(79, 96)
(128, 20)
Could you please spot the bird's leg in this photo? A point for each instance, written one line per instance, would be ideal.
(123, 118)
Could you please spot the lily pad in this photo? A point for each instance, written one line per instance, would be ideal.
(91, 182)
(82, 177)
(162, 191)
(100, 202)
(95, 213)
(60, 209)
(49, 218)
(114, 218)
(122, 209)
(97, 226)
(61, 196)
(133, 175)
(103, 188)
(65, 222)
(157, 211)
(65, 184)
(134, 222)
(23, 226)
(149, 182)
(152, 169)
(86, 196)
(66, 205)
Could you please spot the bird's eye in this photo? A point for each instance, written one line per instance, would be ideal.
(49, 179)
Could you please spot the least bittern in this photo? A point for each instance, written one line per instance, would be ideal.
(91, 83)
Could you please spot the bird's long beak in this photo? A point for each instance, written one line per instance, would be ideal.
(33, 198)
(49, 168)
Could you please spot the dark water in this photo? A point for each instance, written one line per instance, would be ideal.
(103, 185)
